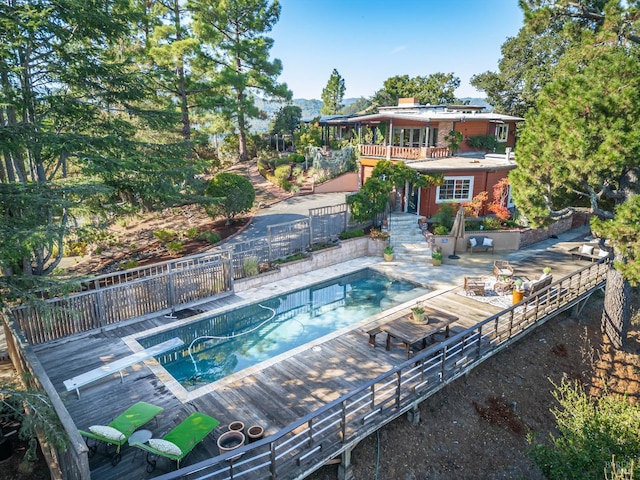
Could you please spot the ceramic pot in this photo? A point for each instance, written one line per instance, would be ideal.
(518, 295)
(255, 432)
(237, 426)
(418, 317)
(388, 257)
(230, 441)
(436, 262)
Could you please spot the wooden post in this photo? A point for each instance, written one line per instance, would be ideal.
(345, 471)
(413, 415)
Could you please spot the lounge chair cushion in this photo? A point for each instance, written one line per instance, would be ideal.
(165, 446)
(109, 433)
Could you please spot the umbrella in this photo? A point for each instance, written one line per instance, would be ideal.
(457, 231)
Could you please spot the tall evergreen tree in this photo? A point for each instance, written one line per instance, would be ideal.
(232, 32)
(75, 125)
(581, 146)
(333, 94)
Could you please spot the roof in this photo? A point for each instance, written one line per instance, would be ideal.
(463, 163)
(432, 116)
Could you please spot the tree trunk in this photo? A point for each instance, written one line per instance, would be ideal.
(616, 315)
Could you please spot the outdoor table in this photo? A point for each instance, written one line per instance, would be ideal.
(409, 332)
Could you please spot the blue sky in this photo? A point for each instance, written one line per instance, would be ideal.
(370, 41)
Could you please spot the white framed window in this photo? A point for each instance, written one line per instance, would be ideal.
(409, 137)
(455, 189)
(502, 132)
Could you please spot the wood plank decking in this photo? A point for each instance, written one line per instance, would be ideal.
(273, 397)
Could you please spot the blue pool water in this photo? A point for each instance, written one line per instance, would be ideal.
(219, 346)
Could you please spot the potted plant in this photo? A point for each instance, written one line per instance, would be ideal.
(436, 258)
(388, 253)
(518, 291)
(418, 313)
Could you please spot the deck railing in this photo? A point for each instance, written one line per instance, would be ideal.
(298, 449)
(114, 298)
(404, 153)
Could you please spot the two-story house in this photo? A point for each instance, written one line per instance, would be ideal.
(420, 136)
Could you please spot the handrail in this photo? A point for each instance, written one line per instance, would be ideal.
(349, 418)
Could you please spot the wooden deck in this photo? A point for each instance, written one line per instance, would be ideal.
(274, 397)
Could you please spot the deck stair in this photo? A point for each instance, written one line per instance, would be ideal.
(408, 241)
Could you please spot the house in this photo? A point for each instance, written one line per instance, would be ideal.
(420, 136)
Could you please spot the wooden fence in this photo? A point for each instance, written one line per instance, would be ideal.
(298, 449)
(111, 299)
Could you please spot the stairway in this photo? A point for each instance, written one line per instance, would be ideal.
(408, 241)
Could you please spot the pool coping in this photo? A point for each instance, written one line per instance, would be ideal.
(249, 297)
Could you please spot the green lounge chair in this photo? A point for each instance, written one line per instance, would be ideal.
(179, 442)
(120, 429)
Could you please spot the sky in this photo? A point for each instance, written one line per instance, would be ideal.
(370, 41)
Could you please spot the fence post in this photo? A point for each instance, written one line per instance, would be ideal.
(171, 287)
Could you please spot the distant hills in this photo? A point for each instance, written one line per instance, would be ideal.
(311, 109)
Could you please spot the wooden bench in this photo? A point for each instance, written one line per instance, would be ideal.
(479, 244)
(372, 335)
(119, 365)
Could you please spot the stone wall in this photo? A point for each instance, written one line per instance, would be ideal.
(531, 236)
(344, 251)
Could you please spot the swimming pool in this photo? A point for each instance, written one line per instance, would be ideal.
(232, 341)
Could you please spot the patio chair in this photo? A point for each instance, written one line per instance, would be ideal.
(474, 286)
(501, 268)
(118, 431)
(179, 442)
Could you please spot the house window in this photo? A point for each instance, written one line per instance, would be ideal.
(408, 137)
(432, 141)
(455, 189)
(502, 132)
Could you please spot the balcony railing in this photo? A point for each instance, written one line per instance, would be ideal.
(391, 152)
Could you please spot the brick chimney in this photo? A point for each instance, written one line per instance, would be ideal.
(412, 101)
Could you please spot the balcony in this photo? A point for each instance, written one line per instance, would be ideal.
(391, 152)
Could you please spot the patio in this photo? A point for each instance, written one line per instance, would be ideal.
(281, 393)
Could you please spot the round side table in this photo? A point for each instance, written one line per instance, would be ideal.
(140, 436)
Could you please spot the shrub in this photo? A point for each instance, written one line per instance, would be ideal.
(175, 247)
(165, 235)
(250, 266)
(482, 142)
(351, 234)
(290, 258)
(129, 264)
(444, 215)
(594, 436)
(211, 237)
(231, 195)
(441, 230)
(282, 172)
(192, 233)
(376, 234)
(76, 248)
(491, 223)
(283, 161)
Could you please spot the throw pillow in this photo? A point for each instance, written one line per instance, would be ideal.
(487, 242)
(165, 447)
(473, 242)
(587, 249)
(603, 253)
(109, 433)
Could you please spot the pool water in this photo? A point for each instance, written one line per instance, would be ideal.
(227, 343)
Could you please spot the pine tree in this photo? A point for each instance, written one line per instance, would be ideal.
(333, 94)
(233, 36)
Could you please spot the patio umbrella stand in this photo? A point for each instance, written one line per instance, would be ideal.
(457, 231)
